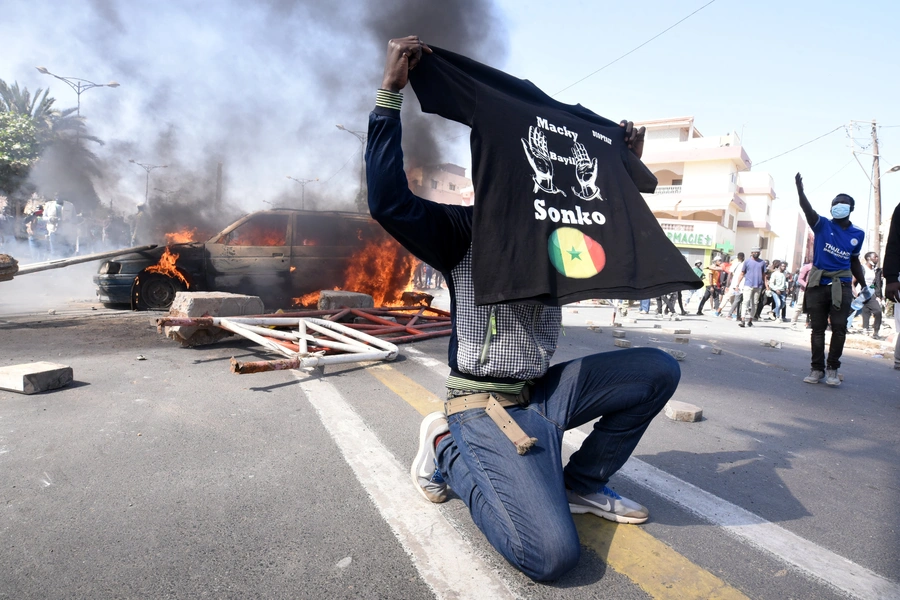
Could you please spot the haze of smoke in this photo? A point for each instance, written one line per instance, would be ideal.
(258, 87)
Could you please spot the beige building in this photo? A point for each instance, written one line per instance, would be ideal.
(446, 183)
(708, 201)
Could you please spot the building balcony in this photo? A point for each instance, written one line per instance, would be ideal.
(672, 200)
(667, 189)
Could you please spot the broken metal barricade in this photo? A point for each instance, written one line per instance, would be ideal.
(314, 338)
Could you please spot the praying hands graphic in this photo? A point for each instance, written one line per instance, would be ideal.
(586, 172)
(539, 158)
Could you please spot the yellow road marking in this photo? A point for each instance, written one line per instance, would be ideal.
(654, 566)
(414, 394)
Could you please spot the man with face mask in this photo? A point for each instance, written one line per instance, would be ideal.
(828, 291)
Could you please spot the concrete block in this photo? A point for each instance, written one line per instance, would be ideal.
(678, 331)
(677, 354)
(208, 304)
(682, 411)
(8, 267)
(622, 343)
(716, 350)
(682, 340)
(31, 378)
(331, 299)
(657, 326)
(618, 333)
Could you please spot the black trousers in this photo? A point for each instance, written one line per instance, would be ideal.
(872, 307)
(821, 311)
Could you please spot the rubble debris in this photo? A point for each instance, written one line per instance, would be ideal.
(716, 350)
(622, 343)
(682, 340)
(140, 357)
(683, 411)
(208, 304)
(52, 311)
(677, 331)
(331, 299)
(657, 326)
(31, 378)
(676, 354)
(314, 338)
(9, 266)
(618, 333)
(771, 343)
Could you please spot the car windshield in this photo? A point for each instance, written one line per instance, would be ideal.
(260, 230)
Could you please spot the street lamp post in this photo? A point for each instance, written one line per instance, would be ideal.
(302, 183)
(147, 168)
(79, 85)
(361, 136)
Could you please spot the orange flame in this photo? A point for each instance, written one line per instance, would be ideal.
(307, 300)
(383, 270)
(166, 266)
(182, 236)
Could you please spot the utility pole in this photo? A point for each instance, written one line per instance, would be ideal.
(876, 185)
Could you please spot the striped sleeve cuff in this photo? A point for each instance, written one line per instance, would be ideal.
(387, 99)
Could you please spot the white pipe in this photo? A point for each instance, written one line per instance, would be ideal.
(335, 335)
(378, 343)
(302, 339)
(336, 359)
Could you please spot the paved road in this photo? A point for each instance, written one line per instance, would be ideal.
(170, 477)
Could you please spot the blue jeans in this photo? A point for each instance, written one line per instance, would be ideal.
(645, 306)
(776, 297)
(519, 502)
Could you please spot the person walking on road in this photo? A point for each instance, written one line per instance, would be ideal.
(753, 276)
(520, 496)
(872, 307)
(714, 273)
(731, 293)
(799, 309)
(777, 284)
(836, 247)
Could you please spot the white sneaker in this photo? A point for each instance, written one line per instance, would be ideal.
(424, 471)
(814, 376)
(832, 377)
(607, 504)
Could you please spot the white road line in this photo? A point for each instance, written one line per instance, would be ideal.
(819, 563)
(443, 558)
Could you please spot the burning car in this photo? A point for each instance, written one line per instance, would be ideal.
(284, 256)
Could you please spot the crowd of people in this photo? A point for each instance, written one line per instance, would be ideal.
(51, 229)
(776, 295)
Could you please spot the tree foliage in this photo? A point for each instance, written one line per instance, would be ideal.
(32, 129)
(20, 148)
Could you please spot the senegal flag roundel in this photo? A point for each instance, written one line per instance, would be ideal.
(575, 254)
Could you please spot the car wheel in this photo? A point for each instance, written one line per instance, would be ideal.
(155, 292)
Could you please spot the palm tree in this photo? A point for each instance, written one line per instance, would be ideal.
(61, 135)
(19, 100)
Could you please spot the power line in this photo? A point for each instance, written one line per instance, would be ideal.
(800, 146)
(634, 49)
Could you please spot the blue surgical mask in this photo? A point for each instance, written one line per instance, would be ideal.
(840, 211)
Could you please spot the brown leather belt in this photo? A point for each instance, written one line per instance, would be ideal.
(494, 403)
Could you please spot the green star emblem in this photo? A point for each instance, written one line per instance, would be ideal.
(575, 254)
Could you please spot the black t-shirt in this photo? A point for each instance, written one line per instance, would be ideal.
(558, 212)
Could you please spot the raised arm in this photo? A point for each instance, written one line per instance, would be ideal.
(436, 233)
(812, 217)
